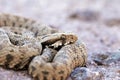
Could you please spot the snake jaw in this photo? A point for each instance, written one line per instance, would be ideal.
(69, 38)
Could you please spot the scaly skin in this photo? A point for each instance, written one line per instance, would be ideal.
(66, 59)
(58, 39)
(16, 50)
(16, 57)
(34, 26)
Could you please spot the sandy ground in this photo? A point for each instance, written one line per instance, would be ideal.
(96, 22)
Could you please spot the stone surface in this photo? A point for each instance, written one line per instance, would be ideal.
(86, 74)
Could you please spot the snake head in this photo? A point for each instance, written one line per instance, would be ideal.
(69, 38)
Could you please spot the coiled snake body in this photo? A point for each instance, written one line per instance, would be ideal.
(48, 53)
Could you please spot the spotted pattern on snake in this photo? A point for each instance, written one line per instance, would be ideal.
(50, 55)
(16, 57)
(65, 60)
(32, 25)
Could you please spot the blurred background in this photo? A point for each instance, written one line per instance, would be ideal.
(96, 22)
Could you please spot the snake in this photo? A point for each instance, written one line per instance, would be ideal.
(47, 53)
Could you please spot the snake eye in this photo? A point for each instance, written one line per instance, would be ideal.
(63, 36)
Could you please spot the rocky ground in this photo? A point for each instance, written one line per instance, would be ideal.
(96, 22)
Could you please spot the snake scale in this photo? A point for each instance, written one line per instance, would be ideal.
(47, 53)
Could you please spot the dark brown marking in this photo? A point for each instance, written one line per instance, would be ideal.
(62, 78)
(83, 56)
(36, 33)
(17, 65)
(16, 42)
(20, 26)
(9, 57)
(26, 27)
(16, 32)
(36, 78)
(13, 24)
(4, 23)
(45, 72)
(11, 50)
(77, 56)
(61, 72)
(33, 68)
(81, 50)
(53, 78)
(74, 58)
(45, 78)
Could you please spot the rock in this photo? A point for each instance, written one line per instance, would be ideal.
(87, 15)
(99, 59)
(86, 74)
(113, 58)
